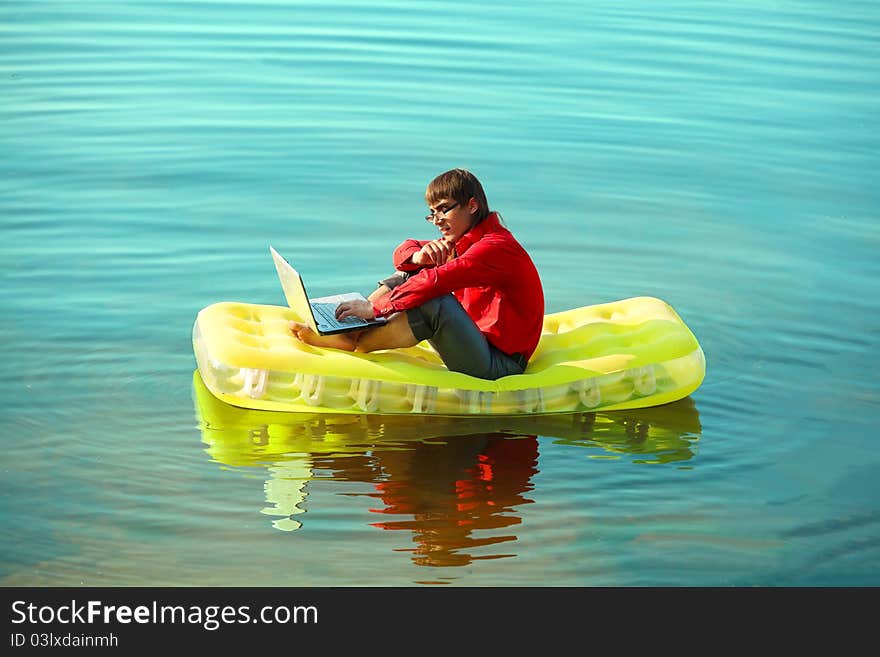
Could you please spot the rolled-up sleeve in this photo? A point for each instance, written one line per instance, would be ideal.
(403, 254)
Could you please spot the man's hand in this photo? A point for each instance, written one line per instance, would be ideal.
(357, 308)
(433, 253)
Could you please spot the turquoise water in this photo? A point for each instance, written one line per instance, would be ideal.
(722, 158)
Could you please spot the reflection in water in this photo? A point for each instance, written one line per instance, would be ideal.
(455, 483)
(448, 490)
(663, 434)
(285, 489)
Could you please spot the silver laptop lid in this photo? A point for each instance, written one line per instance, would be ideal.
(294, 289)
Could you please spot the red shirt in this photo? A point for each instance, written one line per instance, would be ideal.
(492, 276)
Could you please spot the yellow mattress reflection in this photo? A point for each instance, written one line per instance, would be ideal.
(445, 480)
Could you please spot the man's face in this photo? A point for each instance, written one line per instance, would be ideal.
(452, 219)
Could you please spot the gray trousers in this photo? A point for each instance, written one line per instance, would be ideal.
(463, 348)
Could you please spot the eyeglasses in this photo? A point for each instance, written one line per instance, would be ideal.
(440, 214)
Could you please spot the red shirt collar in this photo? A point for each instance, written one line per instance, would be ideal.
(487, 225)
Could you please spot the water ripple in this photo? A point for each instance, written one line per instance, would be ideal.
(719, 157)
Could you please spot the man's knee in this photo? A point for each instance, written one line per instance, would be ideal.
(435, 312)
(428, 320)
(397, 278)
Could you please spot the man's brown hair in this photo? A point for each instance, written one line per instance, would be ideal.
(459, 185)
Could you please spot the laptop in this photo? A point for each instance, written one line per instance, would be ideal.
(320, 313)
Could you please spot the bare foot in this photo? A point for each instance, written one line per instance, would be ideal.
(304, 333)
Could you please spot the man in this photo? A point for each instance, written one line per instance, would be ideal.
(473, 293)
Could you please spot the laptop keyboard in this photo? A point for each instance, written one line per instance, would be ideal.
(325, 313)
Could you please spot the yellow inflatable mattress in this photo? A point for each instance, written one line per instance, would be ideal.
(237, 436)
(632, 353)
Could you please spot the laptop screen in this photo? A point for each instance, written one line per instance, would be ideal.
(294, 290)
